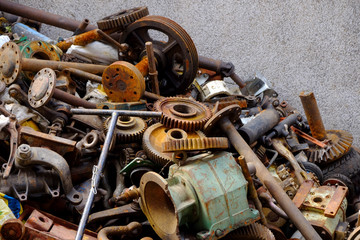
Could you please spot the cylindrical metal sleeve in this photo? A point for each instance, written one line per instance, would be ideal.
(313, 115)
(143, 66)
(41, 16)
(264, 175)
(35, 65)
(261, 124)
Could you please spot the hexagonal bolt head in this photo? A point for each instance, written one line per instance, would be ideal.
(24, 151)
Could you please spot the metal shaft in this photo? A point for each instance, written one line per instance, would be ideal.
(313, 116)
(84, 75)
(264, 175)
(152, 67)
(96, 176)
(81, 39)
(35, 65)
(72, 100)
(41, 16)
(120, 112)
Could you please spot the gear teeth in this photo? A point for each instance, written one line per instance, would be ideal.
(196, 144)
(172, 118)
(132, 134)
(254, 231)
(123, 18)
(340, 144)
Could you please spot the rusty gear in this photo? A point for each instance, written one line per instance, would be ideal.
(254, 231)
(339, 144)
(123, 18)
(126, 156)
(128, 129)
(156, 135)
(193, 144)
(183, 113)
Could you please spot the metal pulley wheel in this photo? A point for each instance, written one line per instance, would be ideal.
(175, 52)
(120, 20)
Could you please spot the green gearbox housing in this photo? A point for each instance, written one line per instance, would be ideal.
(207, 195)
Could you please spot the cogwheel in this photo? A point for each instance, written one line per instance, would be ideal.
(128, 129)
(339, 143)
(183, 113)
(254, 231)
(191, 144)
(156, 135)
(126, 156)
(123, 18)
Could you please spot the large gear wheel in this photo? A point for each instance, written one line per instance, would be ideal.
(183, 113)
(175, 53)
(194, 144)
(156, 135)
(120, 20)
(254, 231)
(339, 144)
(128, 129)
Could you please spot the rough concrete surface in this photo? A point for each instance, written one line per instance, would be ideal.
(297, 45)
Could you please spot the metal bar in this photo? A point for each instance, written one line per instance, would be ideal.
(110, 40)
(41, 16)
(308, 137)
(264, 175)
(152, 95)
(152, 67)
(35, 65)
(81, 40)
(120, 112)
(96, 176)
(83, 25)
(313, 115)
(84, 75)
(72, 100)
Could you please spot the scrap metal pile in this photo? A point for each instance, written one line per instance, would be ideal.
(123, 129)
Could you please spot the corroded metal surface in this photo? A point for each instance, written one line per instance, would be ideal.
(195, 144)
(183, 113)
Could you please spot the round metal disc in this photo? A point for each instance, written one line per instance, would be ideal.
(10, 62)
(232, 112)
(42, 87)
(123, 82)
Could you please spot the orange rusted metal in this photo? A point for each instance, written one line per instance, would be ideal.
(335, 202)
(302, 193)
(313, 115)
(308, 137)
(81, 40)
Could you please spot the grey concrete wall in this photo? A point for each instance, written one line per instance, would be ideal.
(297, 45)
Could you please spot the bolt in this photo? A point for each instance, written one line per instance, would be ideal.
(24, 151)
(218, 233)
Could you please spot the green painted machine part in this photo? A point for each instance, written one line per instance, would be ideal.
(207, 195)
(324, 207)
(38, 50)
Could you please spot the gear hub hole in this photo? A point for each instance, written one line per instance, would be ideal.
(183, 110)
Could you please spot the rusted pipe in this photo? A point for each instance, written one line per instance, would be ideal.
(153, 74)
(143, 66)
(81, 39)
(252, 190)
(313, 115)
(264, 175)
(41, 16)
(35, 65)
(130, 230)
(110, 40)
(152, 95)
(72, 100)
(83, 25)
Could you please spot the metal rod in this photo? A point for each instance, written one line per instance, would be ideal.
(83, 25)
(264, 175)
(313, 115)
(41, 16)
(81, 40)
(110, 40)
(72, 100)
(96, 176)
(120, 112)
(252, 190)
(152, 95)
(153, 73)
(35, 65)
(84, 75)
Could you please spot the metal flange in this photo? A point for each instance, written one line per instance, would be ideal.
(10, 62)
(42, 88)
